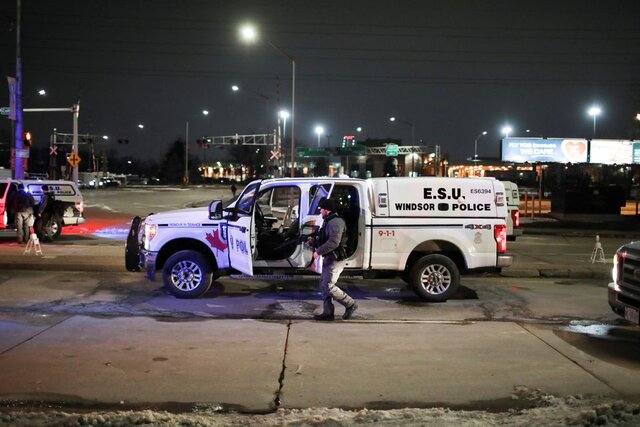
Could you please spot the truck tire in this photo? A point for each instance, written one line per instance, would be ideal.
(435, 278)
(55, 227)
(51, 230)
(187, 274)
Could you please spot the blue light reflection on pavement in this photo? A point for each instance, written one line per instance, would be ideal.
(115, 233)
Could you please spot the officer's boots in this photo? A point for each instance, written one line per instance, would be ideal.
(327, 311)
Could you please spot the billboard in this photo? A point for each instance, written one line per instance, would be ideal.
(611, 151)
(533, 150)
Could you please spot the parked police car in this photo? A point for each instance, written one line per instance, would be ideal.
(68, 208)
(427, 230)
(512, 196)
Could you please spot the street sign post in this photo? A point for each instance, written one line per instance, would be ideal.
(73, 159)
(391, 150)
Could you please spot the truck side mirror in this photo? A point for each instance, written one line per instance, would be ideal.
(215, 209)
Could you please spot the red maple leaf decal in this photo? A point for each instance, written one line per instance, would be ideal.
(215, 241)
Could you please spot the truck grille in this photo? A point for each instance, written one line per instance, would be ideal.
(629, 275)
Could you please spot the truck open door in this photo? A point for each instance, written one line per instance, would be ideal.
(312, 220)
(240, 233)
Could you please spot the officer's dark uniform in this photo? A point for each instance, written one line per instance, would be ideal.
(331, 244)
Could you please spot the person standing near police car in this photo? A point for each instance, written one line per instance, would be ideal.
(45, 210)
(330, 243)
(22, 204)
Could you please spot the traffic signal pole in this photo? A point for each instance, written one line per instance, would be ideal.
(75, 109)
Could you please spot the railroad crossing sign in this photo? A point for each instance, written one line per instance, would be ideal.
(275, 155)
(73, 159)
(53, 150)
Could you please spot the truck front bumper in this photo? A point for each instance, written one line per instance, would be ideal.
(623, 305)
(148, 263)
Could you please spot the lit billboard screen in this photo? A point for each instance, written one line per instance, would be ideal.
(534, 150)
(611, 151)
(636, 152)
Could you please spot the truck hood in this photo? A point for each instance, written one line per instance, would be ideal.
(179, 215)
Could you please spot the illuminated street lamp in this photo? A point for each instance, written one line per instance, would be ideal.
(475, 145)
(42, 92)
(140, 125)
(249, 34)
(506, 130)
(594, 111)
(319, 131)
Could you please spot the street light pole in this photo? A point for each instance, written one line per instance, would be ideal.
(594, 111)
(413, 135)
(185, 179)
(249, 33)
(319, 131)
(293, 106)
(475, 145)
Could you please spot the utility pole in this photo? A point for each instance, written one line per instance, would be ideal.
(18, 171)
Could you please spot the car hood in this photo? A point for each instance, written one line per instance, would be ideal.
(179, 215)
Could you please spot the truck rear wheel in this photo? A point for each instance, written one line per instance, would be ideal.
(187, 274)
(435, 278)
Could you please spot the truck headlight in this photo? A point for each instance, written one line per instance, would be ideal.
(618, 266)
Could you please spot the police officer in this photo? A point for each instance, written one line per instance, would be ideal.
(22, 204)
(331, 244)
(44, 211)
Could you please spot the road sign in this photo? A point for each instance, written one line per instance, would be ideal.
(4, 111)
(391, 150)
(23, 153)
(310, 152)
(53, 150)
(354, 150)
(73, 159)
(275, 155)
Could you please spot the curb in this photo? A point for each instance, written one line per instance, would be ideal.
(555, 273)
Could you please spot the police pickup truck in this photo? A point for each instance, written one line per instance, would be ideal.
(68, 208)
(624, 289)
(427, 230)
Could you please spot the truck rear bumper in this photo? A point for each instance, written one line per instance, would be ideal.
(73, 220)
(504, 261)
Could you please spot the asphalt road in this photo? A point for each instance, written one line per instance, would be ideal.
(102, 336)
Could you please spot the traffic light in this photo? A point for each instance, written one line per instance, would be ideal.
(26, 139)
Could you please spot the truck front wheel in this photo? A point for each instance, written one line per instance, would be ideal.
(435, 278)
(187, 274)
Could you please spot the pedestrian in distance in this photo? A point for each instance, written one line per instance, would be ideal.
(22, 204)
(45, 210)
(330, 243)
(233, 188)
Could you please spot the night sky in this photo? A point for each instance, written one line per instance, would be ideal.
(453, 68)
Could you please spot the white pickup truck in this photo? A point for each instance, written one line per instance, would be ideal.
(427, 230)
(67, 209)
